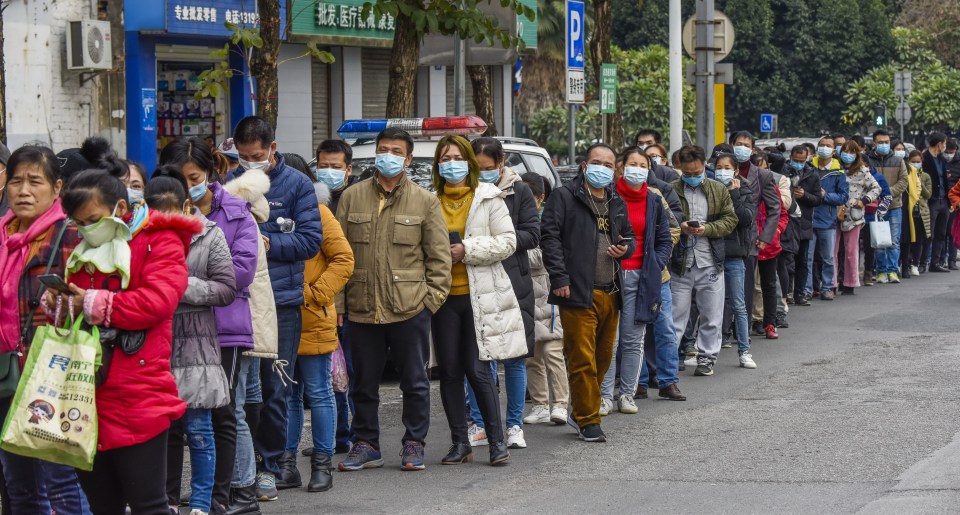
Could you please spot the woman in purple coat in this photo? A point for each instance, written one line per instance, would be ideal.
(234, 326)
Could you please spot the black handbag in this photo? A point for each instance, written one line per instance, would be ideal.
(129, 342)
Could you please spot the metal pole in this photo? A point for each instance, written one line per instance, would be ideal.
(459, 75)
(705, 74)
(603, 128)
(676, 77)
(572, 135)
(900, 109)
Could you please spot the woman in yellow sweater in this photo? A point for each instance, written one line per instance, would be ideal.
(481, 319)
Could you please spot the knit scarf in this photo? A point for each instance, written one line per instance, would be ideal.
(637, 214)
(14, 249)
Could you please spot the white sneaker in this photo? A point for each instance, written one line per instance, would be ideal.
(477, 436)
(691, 361)
(540, 414)
(914, 271)
(628, 405)
(606, 406)
(197, 511)
(558, 415)
(515, 438)
(746, 361)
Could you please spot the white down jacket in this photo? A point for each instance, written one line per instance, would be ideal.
(489, 238)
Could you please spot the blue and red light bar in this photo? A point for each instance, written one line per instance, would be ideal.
(423, 127)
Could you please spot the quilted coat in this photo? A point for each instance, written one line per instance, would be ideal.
(251, 187)
(548, 327)
(139, 397)
(325, 276)
(195, 360)
(489, 238)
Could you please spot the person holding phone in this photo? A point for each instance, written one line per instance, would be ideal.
(585, 234)
(36, 240)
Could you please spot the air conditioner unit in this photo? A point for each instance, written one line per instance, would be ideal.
(88, 45)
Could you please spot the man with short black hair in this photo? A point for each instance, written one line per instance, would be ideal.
(894, 170)
(291, 236)
(805, 188)
(839, 140)
(647, 138)
(935, 165)
(584, 234)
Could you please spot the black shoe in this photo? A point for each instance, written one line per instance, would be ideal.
(185, 499)
(672, 393)
(804, 300)
(953, 266)
(641, 393)
(499, 455)
(922, 268)
(459, 453)
(592, 433)
(320, 478)
(342, 448)
(781, 321)
(846, 290)
(682, 366)
(289, 476)
(758, 329)
(705, 367)
(309, 451)
(243, 501)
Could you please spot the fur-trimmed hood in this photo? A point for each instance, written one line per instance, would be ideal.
(252, 187)
(185, 226)
(323, 193)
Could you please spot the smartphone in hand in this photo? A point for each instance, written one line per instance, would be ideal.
(55, 282)
(694, 223)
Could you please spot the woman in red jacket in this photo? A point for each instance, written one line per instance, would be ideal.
(138, 398)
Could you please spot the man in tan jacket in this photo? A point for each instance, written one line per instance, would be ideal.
(402, 276)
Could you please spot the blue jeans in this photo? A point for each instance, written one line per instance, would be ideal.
(888, 260)
(630, 342)
(198, 428)
(271, 437)
(344, 404)
(823, 243)
(313, 374)
(734, 270)
(248, 391)
(666, 358)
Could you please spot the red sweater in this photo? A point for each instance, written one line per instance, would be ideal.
(637, 213)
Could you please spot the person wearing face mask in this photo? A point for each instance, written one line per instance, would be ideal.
(737, 249)
(953, 178)
(289, 243)
(135, 180)
(835, 193)
(697, 262)
(894, 170)
(401, 249)
(805, 189)
(195, 359)
(524, 216)
(862, 190)
(132, 284)
(936, 167)
(919, 190)
(584, 235)
(232, 216)
(643, 276)
(481, 320)
(546, 370)
(36, 238)
(838, 141)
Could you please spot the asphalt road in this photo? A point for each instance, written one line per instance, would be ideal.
(854, 410)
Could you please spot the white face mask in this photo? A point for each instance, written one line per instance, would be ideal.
(255, 165)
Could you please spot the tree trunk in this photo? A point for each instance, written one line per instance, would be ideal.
(403, 68)
(600, 48)
(3, 85)
(264, 63)
(483, 97)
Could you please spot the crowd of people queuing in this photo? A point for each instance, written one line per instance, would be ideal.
(232, 276)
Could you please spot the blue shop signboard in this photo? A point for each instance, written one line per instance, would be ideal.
(207, 17)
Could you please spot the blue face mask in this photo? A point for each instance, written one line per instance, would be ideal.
(824, 152)
(742, 153)
(797, 166)
(900, 153)
(599, 176)
(634, 175)
(134, 196)
(197, 192)
(389, 165)
(883, 148)
(694, 181)
(838, 151)
(333, 178)
(724, 176)
(490, 176)
(454, 171)
(847, 158)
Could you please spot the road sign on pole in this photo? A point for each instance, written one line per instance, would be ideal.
(723, 36)
(575, 37)
(903, 83)
(608, 88)
(768, 123)
(903, 114)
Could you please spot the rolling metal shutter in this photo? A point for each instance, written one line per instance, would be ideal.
(321, 102)
(376, 80)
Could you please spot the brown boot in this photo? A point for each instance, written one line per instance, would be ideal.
(868, 278)
(672, 393)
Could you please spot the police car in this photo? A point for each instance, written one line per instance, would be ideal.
(522, 155)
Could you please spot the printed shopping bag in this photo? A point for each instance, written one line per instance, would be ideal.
(880, 237)
(53, 415)
(338, 371)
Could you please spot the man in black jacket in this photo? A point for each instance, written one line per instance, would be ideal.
(936, 166)
(584, 234)
(805, 183)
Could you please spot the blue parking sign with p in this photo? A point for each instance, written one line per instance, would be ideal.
(576, 33)
(766, 123)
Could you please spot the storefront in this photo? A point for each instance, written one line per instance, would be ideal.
(168, 45)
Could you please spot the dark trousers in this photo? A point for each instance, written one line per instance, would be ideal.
(785, 273)
(455, 344)
(951, 244)
(939, 220)
(802, 269)
(920, 248)
(408, 345)
(225, 428)
(869, 253)
(133, 475)
(344, 405)
(270, 440)
(768, 287)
